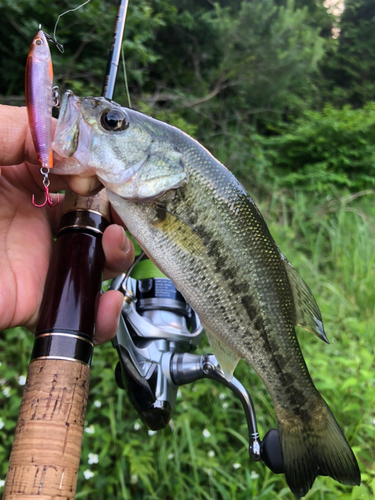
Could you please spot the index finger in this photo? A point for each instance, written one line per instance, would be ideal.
(16, 147)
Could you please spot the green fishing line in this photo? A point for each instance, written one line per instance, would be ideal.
(145, 269)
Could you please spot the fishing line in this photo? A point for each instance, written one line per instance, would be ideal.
(125, 76)
(59, 45)
(54, 39)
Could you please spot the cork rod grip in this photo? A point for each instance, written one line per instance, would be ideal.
(45, 456)
(47, 443)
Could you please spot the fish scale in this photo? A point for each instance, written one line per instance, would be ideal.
(199, 226)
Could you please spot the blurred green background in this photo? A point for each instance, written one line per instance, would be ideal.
(283, 93)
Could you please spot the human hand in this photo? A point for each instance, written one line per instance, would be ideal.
(26, 233)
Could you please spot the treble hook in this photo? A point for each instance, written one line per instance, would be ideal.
(48, 198)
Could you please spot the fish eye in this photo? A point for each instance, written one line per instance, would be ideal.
(114, 120)
(38, 41)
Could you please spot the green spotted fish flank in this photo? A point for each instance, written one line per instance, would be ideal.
(203, 231)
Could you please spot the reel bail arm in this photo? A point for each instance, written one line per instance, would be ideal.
(186, 368)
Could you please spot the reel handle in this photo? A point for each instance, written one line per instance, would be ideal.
(46, 450)
(270, 451)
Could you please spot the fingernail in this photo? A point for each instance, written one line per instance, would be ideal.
(119, 307)
(95, 184)
(84, 186)
(125, 244)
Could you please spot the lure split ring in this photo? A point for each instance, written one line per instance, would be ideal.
(47, 198)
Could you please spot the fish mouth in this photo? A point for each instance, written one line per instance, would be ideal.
(66, 135)
(71, 138)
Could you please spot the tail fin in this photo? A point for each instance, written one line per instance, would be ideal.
(316, 447)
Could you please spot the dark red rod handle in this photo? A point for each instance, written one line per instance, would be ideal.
(47, 445)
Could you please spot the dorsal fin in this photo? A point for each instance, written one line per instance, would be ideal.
(227, 359)
(308, 315)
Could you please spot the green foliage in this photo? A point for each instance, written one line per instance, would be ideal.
(258, 56)
(350, 70)
(318, 16)
(268, 51)
(319, 150)
(85, 34)
(90, 26)
(223, 67)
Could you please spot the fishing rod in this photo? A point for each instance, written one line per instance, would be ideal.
(46, 450)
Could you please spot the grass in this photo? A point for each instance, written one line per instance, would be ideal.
(203, 453)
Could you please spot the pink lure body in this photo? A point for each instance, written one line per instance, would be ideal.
(39, 101)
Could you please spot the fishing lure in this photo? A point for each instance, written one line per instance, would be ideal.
(39, 102)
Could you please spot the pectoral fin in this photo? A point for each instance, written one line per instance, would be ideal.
(227, 359)
(308, 315)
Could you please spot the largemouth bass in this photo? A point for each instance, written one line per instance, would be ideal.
(201, 228)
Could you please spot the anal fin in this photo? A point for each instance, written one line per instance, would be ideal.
(227, 359)
(308, 315)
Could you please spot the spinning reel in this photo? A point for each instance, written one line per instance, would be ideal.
(157, 335)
